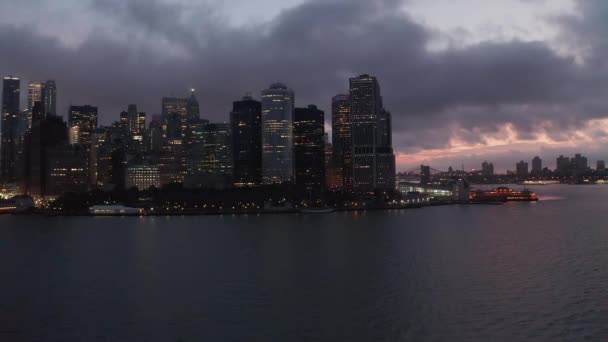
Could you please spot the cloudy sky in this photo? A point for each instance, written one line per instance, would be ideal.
(466, 80)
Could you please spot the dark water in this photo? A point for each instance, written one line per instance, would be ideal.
(518, 272)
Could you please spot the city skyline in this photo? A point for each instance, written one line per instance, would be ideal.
(459, 91)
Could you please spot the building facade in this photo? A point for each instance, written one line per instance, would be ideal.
(521, 170)
(82, 122)
(342, 139)
(142, 176)
(9, 131)
(246, 124)
(309, 149)
(277, 134)
(373, 157)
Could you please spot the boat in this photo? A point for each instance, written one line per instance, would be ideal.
(115, 210)
(316, 210)
(540, 182)
(501, 195)
(7, 207)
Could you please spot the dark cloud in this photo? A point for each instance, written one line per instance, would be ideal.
(144, 50)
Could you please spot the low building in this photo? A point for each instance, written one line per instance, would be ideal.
(67, 170)
(142, 176)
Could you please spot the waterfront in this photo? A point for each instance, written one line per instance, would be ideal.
(515, 272)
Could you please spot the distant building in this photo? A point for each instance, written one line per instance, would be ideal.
(142, 176)
(99, 139)
(333, 172)
(50, 97)
(196, 148)
(373, 158)
(425, 175)
(342, 139)
(563, 165)
(537, 166)
(173, 161)
(601, 165)
(134, 129)
(175, 118)
(487, 169)
(67, 170)
(218, 150)
(82, 121)
(522, 171)
(46, 134)
(154, 136)
(277, 134)
(246, 124)
(9, 128)
(579, 165)
(35, 93)
(309, 149)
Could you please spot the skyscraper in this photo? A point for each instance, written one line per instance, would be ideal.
(175, 116)
(194, 113)
(385, 158)
(35, 93)
(537, 166)
(82, 121)
(46, 133)
(522, 170)
(134, 126)
(487, 169)
(277, 134)
(246, 123)
(218, 149)
(50, 97)
(563, 165)
(309, 148)
(373, 158)
(342, 138)
(9, 130)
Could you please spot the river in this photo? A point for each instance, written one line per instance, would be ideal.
(513, 272)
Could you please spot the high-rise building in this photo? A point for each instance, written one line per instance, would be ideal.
(9, 128)
(522, 170)
(487, 169)
(342, 138)
(537, 166)
(425, 174)
(50, 97)
(46, 133)
(173, 162)
(385, 157)
(67, 169)
(601, 165)
(277, 134)
(175, 116)
(133, 124)
(246, 123)
(309, 148)
(218, 150)
(154, 136)
(579, 164)
(197, 150)
(82, 121)
(35, 93)
(99, 140)
(373, 157)
(194, 113)
(333, 173)
(563, 165)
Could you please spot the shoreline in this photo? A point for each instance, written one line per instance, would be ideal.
(239, 212)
